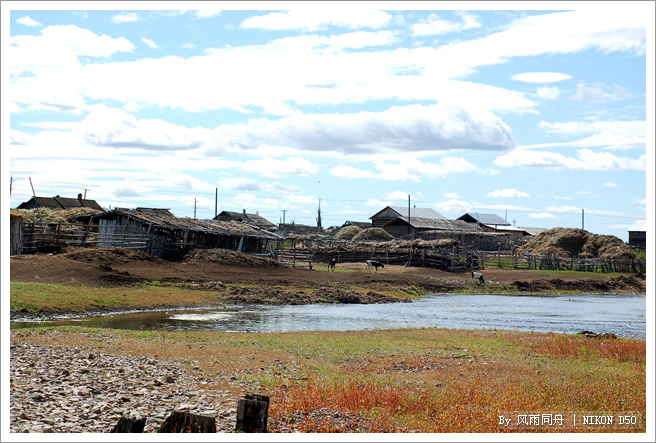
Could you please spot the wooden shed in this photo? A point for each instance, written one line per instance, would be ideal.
(159, 232)
(400, 226)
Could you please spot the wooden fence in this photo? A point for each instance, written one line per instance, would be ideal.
(553, 262)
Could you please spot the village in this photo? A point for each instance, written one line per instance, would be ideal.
(408, 236)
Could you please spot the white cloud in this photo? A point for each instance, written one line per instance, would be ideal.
(317, 18)
(52, 55)
(549, 93)
(609, 185)
(241, 184)
(412, 169)
(350, 172)
(396, 195)
(451, 195)
(130, 17)
(27, 21)
(600, 93)
(611, 134)
(587, 160)
(208, 12)
(454, 205)
(541, 215)
(541, 77)
(433, 25)
(150, 43)
(378, 203)
(507, 193)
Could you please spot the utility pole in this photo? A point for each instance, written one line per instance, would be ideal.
(85, 194)
(194, 208)
(319, 218)
(216, 202)
(283, 215)
(513, 223)
(11, 182)
(506, 217)
(582, 218)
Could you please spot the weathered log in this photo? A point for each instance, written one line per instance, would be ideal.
(252, 413)
(128, 425)
(186, 422)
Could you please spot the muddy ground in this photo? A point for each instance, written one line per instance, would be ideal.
(111, 267)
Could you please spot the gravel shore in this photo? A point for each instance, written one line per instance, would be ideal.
(61, 389)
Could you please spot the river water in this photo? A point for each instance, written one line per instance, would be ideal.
(624, 316)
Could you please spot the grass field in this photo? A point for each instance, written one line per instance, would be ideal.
(408, 380)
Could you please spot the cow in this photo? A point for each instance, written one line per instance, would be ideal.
(477, 276)
(373, 264)
(331, 264)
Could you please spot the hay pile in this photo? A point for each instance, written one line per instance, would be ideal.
(55, 215)
(572, 242)
(229, 258)
(348, 233)
(375, 234)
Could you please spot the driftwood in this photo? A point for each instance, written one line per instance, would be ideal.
(252, 413)
(185, 422)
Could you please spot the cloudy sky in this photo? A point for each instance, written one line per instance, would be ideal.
(533, 115)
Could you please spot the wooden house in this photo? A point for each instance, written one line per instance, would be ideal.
(400, 226)
(58, 202)
(638, 234)
(391, 212)
(361, 225)
(251, 219)
(484, 220)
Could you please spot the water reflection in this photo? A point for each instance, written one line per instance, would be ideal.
(621, 315)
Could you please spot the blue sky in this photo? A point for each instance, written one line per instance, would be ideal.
(534, 115)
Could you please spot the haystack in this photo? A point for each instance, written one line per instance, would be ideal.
(375, 234)
(348, 232)
(573, 242)
(45, 215)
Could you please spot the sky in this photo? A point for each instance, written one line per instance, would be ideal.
(539, 116)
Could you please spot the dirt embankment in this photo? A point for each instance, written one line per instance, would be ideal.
(247, 279)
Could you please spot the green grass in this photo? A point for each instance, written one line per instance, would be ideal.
(44, 298)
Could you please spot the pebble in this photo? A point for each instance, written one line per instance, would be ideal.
(58, 389)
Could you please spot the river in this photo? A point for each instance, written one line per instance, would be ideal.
(624, 316)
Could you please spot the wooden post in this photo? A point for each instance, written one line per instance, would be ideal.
(252, 413)
(86, 233)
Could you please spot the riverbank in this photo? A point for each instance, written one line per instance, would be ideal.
(408, 380)
(110, 280)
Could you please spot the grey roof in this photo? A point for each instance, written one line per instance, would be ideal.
(414, 212)
(533, 231)
(437, 224)
(484, 219)
(254, 219)
(362, 225)
(58, 202)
